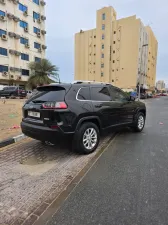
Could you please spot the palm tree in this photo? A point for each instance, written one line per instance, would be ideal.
(39, 73)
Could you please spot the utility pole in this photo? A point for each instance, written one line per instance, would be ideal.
(141, 71)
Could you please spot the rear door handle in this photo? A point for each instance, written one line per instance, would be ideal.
(98, 106)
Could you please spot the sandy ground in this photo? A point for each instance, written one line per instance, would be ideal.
(10, 116)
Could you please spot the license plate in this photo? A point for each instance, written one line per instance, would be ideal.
(34, 114)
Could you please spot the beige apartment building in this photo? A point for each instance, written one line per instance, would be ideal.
(160, 85)
(22, 38)
(122, 52)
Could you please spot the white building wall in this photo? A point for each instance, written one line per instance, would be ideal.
(11, 26)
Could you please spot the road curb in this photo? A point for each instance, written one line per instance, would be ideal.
(12, 140)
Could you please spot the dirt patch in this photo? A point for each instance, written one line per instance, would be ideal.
(10, 117)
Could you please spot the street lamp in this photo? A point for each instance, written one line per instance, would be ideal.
(141, 71)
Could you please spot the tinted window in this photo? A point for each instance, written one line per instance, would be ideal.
(49, 94)
(100, 94)
(84, 94)
(117, 94)
(10, 88)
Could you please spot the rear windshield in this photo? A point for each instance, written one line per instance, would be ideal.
(48, 94)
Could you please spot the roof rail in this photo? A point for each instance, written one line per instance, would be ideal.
(88, 82)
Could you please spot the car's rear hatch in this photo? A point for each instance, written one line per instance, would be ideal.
(44, 108)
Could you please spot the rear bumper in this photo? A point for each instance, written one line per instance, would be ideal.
(43, 133)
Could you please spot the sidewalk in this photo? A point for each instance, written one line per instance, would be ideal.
(10, 117)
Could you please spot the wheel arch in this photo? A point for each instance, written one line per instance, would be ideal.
(92, 119)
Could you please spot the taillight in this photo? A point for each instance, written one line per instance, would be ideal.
(55, 105)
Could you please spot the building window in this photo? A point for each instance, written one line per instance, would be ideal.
(25, 72)
(36, 1)
(102, 46)
(113, 61)
(113, 42)
(94, 45)
(2, 32)
(23, 40)
(36, 59)
(114, 32)
(3, 68)
(36, 30)
(95, 36)
(102, 55)
(103, 26)
(102, 74)
(23, 24)
(102, 36)
(112, 70)
(3, 51)
(25, 57)
(102, 65)
(112, 80)
(22, 7)
(2, 13)
(37, 45)
(36, 16)
(103, 16)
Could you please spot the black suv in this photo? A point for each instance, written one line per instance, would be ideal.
(13, 92)
(81, 111)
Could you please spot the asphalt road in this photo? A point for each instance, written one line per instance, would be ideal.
(128, 185)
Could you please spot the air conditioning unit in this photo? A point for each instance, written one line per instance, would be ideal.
(4, 74)
(27, 45)
(43, 32)
(17, 53)
(17, 36)
(11, 34)
(38, 34)
(3, 1)
(42, 2)
(39, 50)
(15, 2)
(16, 19)
(26, 29)
(18, 69)
(44, 47)
(25, 13)
(39, 20)
(12, 68)
(12, 52)
(19, 77)
(10, 15)
(4, 37)
(3, 18)
(43, 17)
(11, 76)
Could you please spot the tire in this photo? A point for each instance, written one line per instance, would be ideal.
(84, 147)
(139, 122)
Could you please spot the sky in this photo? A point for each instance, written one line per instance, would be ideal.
(65, 18)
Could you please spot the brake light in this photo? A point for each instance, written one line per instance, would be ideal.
(55, 105)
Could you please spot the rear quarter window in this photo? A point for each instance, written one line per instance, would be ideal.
(84, 93)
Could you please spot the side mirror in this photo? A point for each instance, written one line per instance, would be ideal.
(132, 98)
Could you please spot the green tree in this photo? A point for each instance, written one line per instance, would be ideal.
(39, 73)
